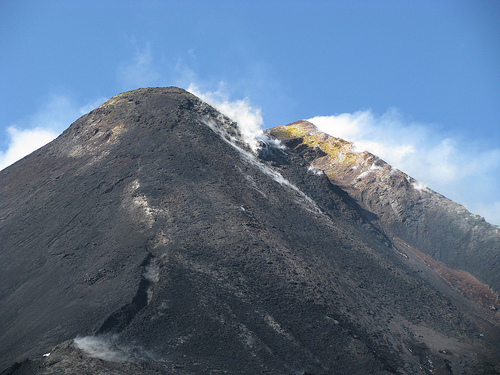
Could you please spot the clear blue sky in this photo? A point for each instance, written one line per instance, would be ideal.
(430, 66)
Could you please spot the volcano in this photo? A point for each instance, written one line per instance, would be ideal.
(150, 238)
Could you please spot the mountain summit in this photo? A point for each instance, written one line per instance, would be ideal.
(150, 238)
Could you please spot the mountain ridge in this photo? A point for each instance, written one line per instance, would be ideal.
(149, 238)
(401, 204)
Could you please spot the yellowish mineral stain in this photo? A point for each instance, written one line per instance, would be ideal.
(340, 153)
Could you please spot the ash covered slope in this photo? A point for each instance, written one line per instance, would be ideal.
(409, 213)
(149, 230)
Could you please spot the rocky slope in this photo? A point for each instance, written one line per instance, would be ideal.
(408, 212)
(148, 238)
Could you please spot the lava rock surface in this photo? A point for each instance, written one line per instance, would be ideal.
(149, 238)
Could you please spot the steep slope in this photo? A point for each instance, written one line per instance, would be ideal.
(148, 238)
(408, 212)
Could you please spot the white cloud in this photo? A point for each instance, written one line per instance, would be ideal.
(140, 71)
(24, 142)
(459, 169)
(43, 126)
(249, 119)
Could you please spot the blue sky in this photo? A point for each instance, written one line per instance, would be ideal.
(416, 81)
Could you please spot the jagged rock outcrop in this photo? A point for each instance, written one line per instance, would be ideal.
(148, 238)
(406, 210)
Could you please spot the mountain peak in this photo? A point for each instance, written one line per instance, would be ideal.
(335, 149)
(151, 238)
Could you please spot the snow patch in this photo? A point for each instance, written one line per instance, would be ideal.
(134, 185)
(272, 323)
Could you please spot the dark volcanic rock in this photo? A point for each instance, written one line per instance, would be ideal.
(404, 209)
(148, 238)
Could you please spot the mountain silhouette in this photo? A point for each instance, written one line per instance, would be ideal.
(149, 238)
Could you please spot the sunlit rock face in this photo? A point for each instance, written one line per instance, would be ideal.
(150, 237)
(408, 212)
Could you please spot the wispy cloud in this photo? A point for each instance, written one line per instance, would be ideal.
(183, 72)
(36, 130)
(460, 169)
(141, 70)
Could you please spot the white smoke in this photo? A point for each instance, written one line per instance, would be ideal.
(102, 347)
(419, 186)
(107, 348)
(252, 159)
(315, 171)
(457, 168)
(152, 274)
(249, 119)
